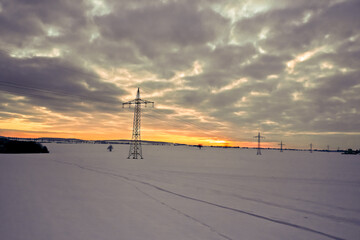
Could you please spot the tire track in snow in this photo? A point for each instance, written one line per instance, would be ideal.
(289, 207)
(128, 181)
(206, 202)
(178, 211)
(237, 210)
(186, 174)
(290, 198)
(322, 215)
(353, 221)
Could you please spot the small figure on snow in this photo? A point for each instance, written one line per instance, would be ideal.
(110, 148)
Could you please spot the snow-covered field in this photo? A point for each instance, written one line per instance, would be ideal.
(81, 191)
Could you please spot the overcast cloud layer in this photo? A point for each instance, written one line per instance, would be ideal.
(215, 69)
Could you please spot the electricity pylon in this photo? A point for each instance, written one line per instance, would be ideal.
(135, 145)
(281, 146)
(311, 147)
(258, 148)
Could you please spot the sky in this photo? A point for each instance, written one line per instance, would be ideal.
(219, 72)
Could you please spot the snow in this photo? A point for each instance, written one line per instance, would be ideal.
(81, 191)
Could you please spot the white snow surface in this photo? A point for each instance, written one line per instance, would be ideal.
(81, 191)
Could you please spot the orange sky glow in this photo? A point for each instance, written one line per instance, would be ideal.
(193, 139)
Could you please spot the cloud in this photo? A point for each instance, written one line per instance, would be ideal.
(325, 26)
(30, 22)
(166, 25)
(57, 85)
(166, 36)
(283, 67)
(264, 66)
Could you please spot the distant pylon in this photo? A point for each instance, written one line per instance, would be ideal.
(135, 145)
(311, 147)
(281, 146)
(258, 148)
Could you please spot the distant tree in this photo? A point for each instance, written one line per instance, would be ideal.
(45, 149)
(12, 146)
(350, 151)
(200, 146)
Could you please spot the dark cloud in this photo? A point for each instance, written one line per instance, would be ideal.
(56, 84)
(216, 79)
(162, 26)
(185, 98)
(155, 85)
(22, 21)
(264, 66)
(167, 36)
(324, 27)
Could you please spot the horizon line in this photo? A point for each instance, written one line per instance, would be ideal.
(175, 143)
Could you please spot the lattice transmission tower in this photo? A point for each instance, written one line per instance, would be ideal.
(135, 145)
(258, 148)
(281, 146)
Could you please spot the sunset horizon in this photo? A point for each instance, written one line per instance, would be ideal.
(218, 73)
(179, 119)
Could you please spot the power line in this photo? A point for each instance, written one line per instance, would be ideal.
(199, 126)
(26, 90)
(23, 90)
(157, 115)
(37, 92)
(70, 69)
